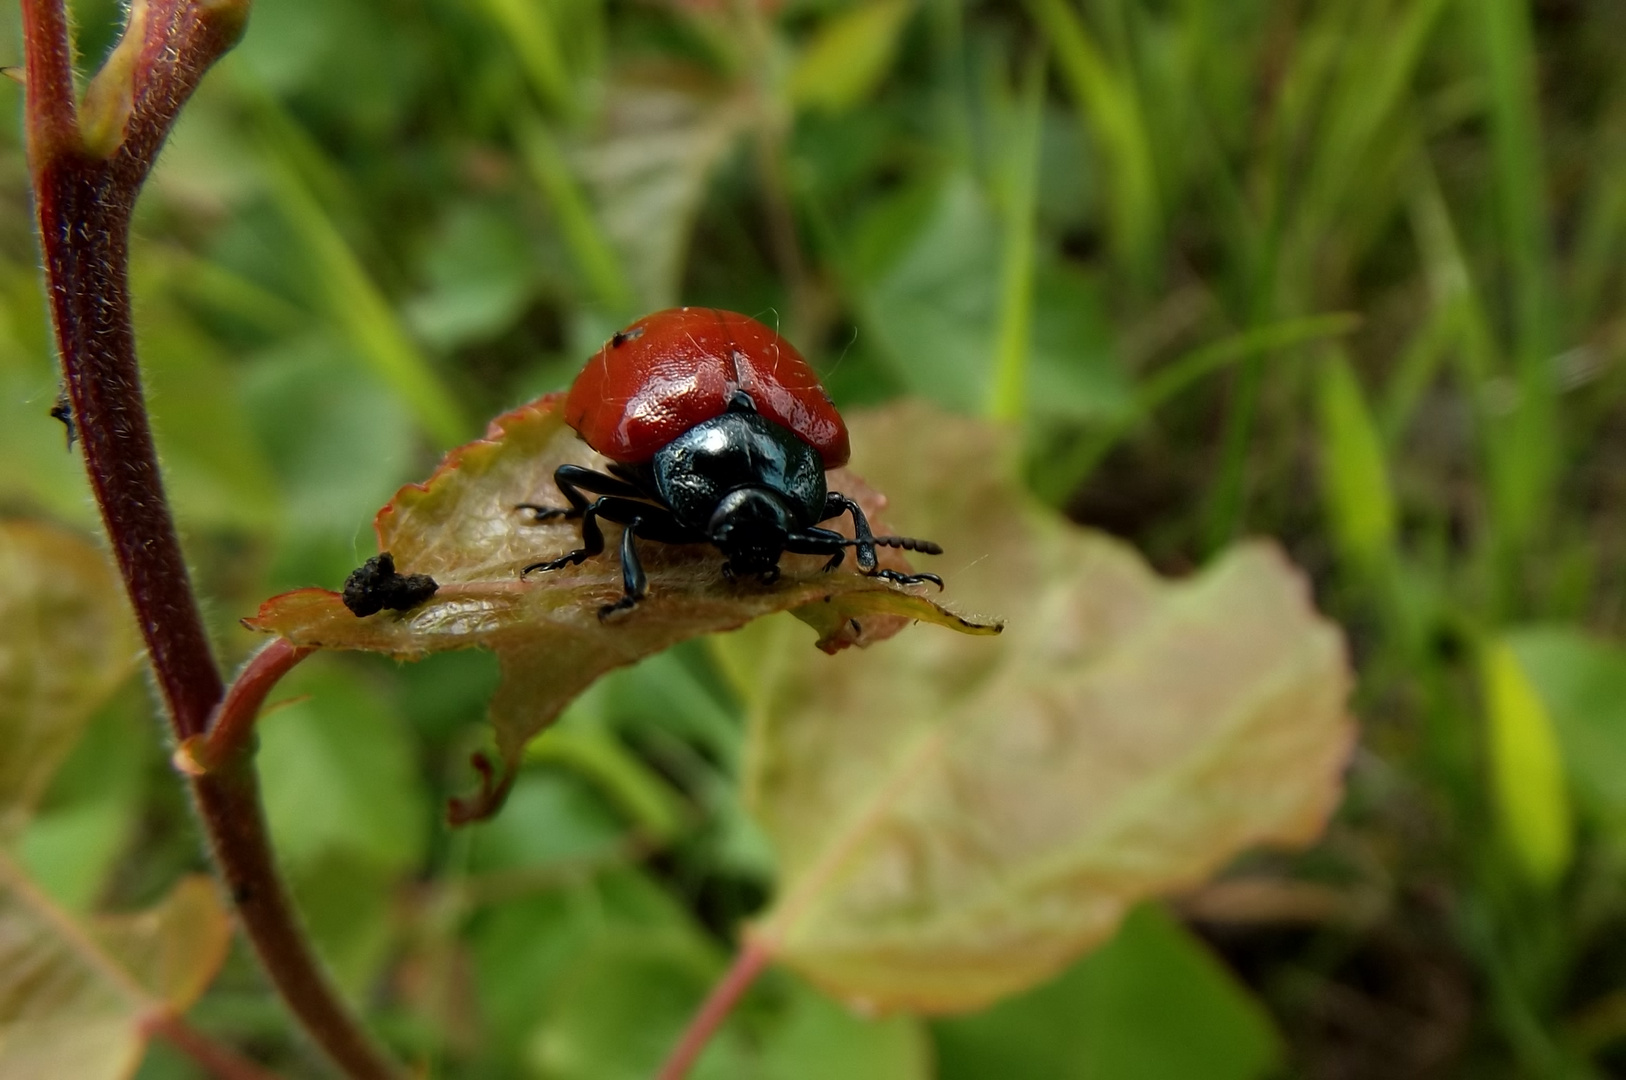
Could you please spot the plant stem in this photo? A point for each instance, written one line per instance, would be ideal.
(214, 1057)
(229, 735)
(748, 964)
(228, 799)
(84, 225)
(84, 201)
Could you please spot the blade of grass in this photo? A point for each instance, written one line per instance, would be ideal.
(1600, 235)
(1479, 362)
(1521, 194)
(358, 306)
(529, 30)
(848, 56)
(594, 255)
(1110, 107)
(1527, 770)
(1354, 478)
(1181, 373)
(1008, 387)
(1417, 369)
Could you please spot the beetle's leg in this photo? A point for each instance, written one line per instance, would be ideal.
(816, 541)
(633, 582)
(906, 579)
(592, 542)
(651, 523)
(836, 504)
(572, 480)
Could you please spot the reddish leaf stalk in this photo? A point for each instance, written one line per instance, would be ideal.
(214, 1057)
(83, 198)
(233, 728)
(752, 958)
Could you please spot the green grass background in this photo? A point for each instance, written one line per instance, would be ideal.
(1347, 272)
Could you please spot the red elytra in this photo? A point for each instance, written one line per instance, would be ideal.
(677, 368)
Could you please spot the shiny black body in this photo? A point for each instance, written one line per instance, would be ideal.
(738, 481)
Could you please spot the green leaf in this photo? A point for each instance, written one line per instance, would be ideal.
(461, 527)
(1527, 770)
(552, 819)
(340, 774)
(524, 946)
(215, 471)
(849, 55)
(816, 1038)
(1151, 1004)
(351, 908)
(637, 790)
(1582, 682)
(481, 272)
(348, 814)
(922, 258)
(1354, 480)
(73, 995)
(955, 823)
(66, 642)
(93, 805)
(616, 1013)
(341, 443)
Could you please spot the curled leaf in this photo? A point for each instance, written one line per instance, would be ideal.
(955, 823)
(462, 528)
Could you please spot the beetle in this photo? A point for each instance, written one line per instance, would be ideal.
(717, 431)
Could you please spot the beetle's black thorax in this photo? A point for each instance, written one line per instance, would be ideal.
(742, 481)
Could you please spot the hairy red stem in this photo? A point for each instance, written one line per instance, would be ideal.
(83, 199)
(748, 964)
(84, 219)
(233, 727)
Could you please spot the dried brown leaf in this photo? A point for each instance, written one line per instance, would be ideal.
(956, 820)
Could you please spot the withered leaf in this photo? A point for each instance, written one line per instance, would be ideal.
(956, 820)
(66, 642)
(74, 997)
(461, 527)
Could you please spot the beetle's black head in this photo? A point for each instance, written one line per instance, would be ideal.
(750, 526)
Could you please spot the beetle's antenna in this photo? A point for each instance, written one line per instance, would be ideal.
(907, 543)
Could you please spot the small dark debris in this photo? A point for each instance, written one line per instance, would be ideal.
(621, 337)
(63, 411)
(375, 585)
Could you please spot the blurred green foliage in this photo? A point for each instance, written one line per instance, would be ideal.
(1348, 271)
